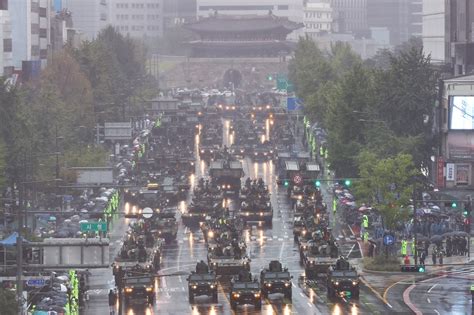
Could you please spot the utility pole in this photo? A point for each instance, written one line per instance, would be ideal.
(19, 240)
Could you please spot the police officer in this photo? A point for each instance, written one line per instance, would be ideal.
(403, 249)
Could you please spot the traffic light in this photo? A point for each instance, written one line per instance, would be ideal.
(270, 77)
(286, 183)
(467, 209)
(347, 182)
(317, 183)
(413, 268)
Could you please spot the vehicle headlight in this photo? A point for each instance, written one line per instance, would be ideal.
(228, 186)
(202, 151)
(236, 295)
(149, 289)
(261, 214)
(303, 232)
(256, 153)
(265, 153)
(287, 284)
(241, 151)
(269, 284)
(354, 282)
(257, 295)
(336, 283)
(128, 290)
(212, 286)
(194, 287)
(212, 151)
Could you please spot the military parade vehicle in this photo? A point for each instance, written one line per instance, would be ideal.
(276, 279)
(202, 282)
(255, 203)
(228, 257)
(245, 290)
(138, 288)
(318, 257)
(342, 280)
(226, 174)
(164, 222)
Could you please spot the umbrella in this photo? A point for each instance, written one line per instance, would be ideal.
(436, 238)
(363, 208)
(460, 233)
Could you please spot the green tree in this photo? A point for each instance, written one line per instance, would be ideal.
(349, 97)
(386, 185)
(8, 303)
(407, 94)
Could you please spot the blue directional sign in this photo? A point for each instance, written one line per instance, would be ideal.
(35, 282)
(294, 103)
(388, 240)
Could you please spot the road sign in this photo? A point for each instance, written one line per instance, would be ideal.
(297, 179)
(388, 240)
(94, 226)
(35, 282)
(118, 131)
(293, 103)
(147, 213)
(68, 198)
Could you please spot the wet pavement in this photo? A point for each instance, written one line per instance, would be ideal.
(264, 244)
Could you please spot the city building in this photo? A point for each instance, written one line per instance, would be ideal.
(448, 33)
(62, 30)
(31, 35)
(460, 35)
(318, 18)
(403, 18)
(455, 162)
(291, 9)
(178, 12)
(434, 30)
(350, 15)
(88, 16)
(242, 36)
(6, 66)
(143, 18)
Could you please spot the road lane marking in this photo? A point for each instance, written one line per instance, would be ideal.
(428, 300)
(436, 311)
(350, 251)
(383, 298)
(429, 291)
(407, 301)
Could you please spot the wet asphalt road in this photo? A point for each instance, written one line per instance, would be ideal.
(264, 244)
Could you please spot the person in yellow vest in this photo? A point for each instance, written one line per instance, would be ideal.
(365, 221)
(334, 205)
(403, 249)
(413, 247)
(365, 236)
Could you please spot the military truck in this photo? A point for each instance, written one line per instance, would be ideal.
(318, 258)
(244, 290)
(137, 288)
(227, 174)
(275, 279)
(343, 280)
(165, 224)
(202, 282)
(228, 259)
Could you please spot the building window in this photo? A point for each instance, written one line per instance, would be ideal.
(43, 53)
(3, 5)
(34, 29)
(35, 50)
(43, 33)
(42, 12)
(7, 45)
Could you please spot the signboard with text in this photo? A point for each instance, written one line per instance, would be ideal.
(440, 173)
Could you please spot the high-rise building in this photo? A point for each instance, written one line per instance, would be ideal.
(5, 39)
(403, 18)
(178, 12)
(88, 16)
(460, 35)
(448, 33)
(137, 18)
(350, 15)
(31, 35)
(318, 18)
(434, 30)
